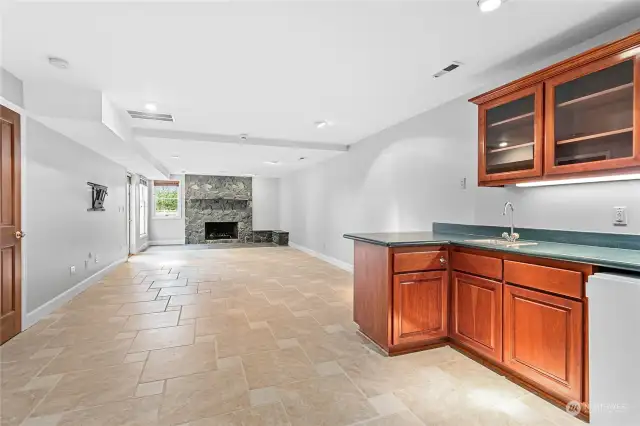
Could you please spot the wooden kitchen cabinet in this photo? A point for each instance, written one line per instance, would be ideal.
(590, 117)
(511, 136)
(543, 340)
(420, 303)
(579, 117)
(477, 314)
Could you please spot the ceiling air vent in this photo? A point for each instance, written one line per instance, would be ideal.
(447, 69)
(150, 116)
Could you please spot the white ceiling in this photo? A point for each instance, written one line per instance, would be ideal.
(271, 69)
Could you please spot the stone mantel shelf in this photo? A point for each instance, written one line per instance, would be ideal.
(222, 198)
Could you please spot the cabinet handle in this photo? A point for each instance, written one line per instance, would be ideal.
(443, 261)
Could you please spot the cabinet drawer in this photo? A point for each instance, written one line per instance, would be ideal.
(478, 265)
(419, 261)
(553, 280)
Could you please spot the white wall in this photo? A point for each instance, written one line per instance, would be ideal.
(266, 204)
(167, 231)
(401, 179)
(407, 176)
(60, 230)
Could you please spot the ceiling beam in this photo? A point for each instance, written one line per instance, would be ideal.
(235, 139)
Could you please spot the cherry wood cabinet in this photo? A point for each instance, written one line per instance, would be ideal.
(420, 303)
(543, 340)
(579, 117)
(522, 316)
(477, 314)
(590, 117)
(511, 136)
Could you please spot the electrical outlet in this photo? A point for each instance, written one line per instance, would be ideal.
(620, 216)
(86, 264)
(72, 270)
(463, 183)
(96, 258)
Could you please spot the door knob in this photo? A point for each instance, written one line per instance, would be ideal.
(20, 235)
(443, 261)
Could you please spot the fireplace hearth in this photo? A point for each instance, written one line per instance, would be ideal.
(221, 230)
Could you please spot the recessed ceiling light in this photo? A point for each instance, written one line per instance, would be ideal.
(489, 5)
(272, 163)
(503, 144)
(302, 158)
(151, 107)
(63, 64)
(249, 175)
(322, 124)
(177, 157)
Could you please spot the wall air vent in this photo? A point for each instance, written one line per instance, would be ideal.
(150, 116)
(447, 69)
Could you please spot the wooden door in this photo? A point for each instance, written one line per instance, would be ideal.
(420, 306)
(10, 232)
(510, 136)
(477, 314)
(592, 114)
(543, 339)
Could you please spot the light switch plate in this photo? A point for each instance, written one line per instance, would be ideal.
(463, 183)
(620, 216)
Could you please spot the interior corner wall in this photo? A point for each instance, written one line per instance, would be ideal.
(401, 179)
(266, 204)
(60, 231)
(408, 176)
(167, 231)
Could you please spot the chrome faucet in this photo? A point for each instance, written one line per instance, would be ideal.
(513, 236)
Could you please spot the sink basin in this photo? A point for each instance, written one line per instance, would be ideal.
(503, 243)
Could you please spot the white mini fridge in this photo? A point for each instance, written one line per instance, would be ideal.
(614, 349)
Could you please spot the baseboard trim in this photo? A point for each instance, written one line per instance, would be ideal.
(332, 260)
(55, 303)
(167, 242)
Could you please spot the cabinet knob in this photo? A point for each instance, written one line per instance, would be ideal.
(443, 261)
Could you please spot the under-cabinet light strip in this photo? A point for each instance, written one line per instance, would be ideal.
(580, 180)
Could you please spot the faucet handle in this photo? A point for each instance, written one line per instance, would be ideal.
(506, 236)
(515, 236)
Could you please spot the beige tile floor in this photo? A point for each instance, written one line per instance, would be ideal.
(259, 336)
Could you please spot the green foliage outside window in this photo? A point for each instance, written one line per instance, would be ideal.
(166, 200)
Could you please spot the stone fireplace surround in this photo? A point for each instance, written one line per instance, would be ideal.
(217, 199)
(223, 199)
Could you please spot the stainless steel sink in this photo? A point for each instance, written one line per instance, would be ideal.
(503, 243)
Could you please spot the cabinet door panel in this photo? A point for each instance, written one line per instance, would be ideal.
(511, 136)
(591, 114)
(543, 340)
(420, 306)
(477, 314)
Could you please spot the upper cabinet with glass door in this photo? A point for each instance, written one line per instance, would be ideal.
(578, 117)
(590, 117)
(511, 134)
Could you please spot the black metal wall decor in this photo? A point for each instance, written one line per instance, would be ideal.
(98, 194)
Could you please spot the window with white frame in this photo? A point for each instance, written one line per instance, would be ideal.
(144, 207)
(166, 198)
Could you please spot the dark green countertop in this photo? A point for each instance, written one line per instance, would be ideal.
(610, 257)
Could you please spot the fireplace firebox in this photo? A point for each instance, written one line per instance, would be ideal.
(221, 230)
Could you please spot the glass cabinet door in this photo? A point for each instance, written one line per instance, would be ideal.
(590, 117)
(511, 136)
